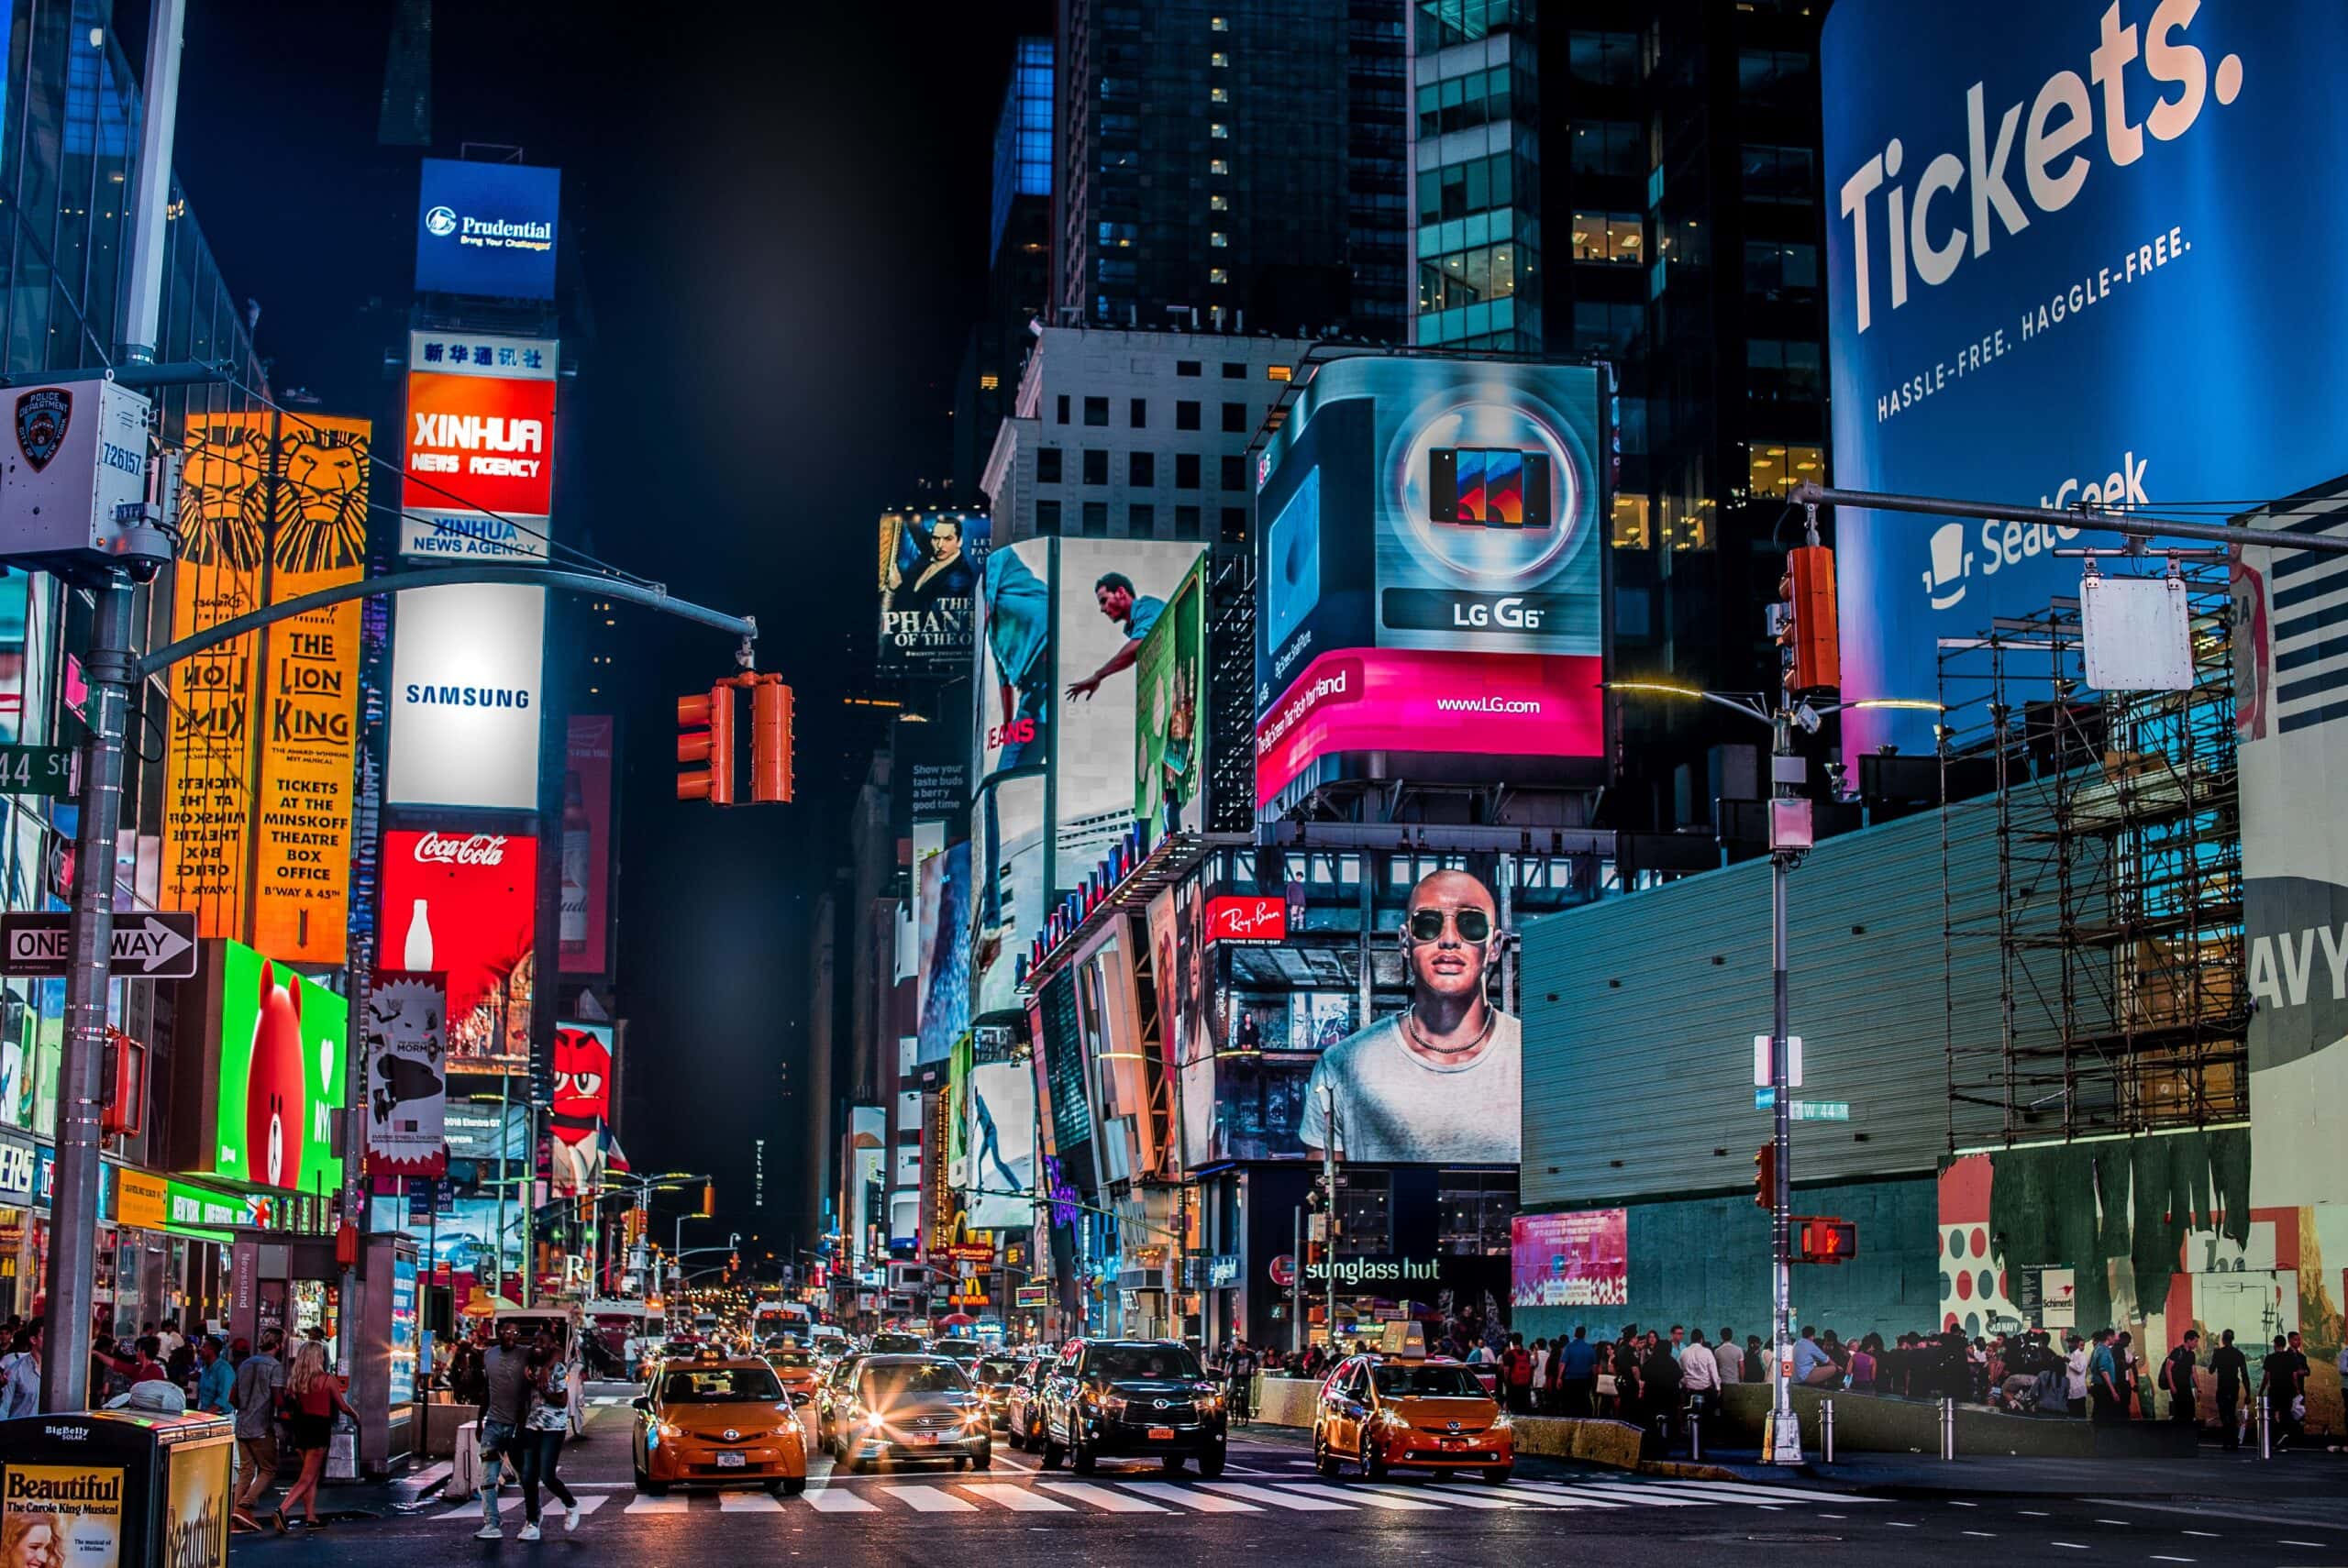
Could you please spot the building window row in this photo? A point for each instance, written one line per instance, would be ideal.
(1603, 60)
(1141, 520)
(1775, 270)
(1780, 174)
(1442, 23)
(1608, 147)
(1480, 97)
(1609, 236)
(1141, 467)
(1782, 370)
(1469, 277)
(1479, 184)
(1775, 470)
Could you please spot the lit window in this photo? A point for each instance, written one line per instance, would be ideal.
(1219, 60)
(1276, 373)
(989, 381)
(1218, 239)
(1219, 131)
(1218, 203)
(1218, 166)
(1219, 24)
(1220, 96)
(1218, 275)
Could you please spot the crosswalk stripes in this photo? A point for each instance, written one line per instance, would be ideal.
(1113, 1494)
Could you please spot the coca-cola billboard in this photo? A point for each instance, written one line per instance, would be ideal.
(465, 904)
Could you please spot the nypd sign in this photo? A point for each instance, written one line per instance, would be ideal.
(466, 663)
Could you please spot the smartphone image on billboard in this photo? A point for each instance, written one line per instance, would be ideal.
(1489, 487)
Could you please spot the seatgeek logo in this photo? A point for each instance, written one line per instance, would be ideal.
(2005, 543)
(2043, 152)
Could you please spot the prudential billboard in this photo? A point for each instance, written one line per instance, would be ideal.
(2077, 252)
(487, 229)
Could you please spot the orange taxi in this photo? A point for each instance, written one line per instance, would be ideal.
(719, 1420)
(1385, 1413)
(795, 1367)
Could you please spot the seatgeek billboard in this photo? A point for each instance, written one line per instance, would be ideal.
(1432, 567)
(2068, 250)
(487, 229)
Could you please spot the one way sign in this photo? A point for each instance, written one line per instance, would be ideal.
(150, 947)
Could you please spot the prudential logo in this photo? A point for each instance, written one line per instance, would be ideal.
(441, 222)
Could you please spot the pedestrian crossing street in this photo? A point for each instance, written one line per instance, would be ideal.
(879, 1498)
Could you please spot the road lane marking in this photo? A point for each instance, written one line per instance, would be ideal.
(746, 1503)
(641, 1503)
(824, 1500)
(1362, 1495)
(588, 1505)
(2067, 1545)
(1190, 1498)
(932, 1499)
(1742, 1493)
(1278, 1499)
(1455, 1498)
(1019, 1499)
(1102, 1498)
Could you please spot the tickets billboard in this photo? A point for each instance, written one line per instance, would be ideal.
(2044, 217)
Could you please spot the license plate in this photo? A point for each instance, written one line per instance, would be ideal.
(923, 1440)
(1455, 1443)
(730, 1462)
(1161, 1434)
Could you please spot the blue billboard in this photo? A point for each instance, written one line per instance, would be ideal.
(2078, 251)
(487, 229)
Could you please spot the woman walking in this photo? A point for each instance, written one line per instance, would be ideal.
(313, 1395)
(543, 1430)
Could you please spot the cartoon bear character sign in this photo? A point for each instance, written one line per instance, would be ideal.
(275, 1100)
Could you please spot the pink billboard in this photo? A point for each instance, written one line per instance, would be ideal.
(1414, 699)
(1580, 1259)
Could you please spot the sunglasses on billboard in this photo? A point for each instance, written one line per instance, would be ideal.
(1474, 924)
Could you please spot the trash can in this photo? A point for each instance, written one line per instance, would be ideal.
(114, 1490)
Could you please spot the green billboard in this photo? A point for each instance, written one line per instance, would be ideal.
(282, 1043)
(1170, 681)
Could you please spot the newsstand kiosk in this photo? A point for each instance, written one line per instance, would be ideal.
(115, 1489)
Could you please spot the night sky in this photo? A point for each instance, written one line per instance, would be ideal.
(779, 214)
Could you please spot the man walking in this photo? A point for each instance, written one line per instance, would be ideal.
(1699, 1378)
(2231, 1369)
(507, 1371)
(2176, 1376)
(1730, 1358)
(253, 1395)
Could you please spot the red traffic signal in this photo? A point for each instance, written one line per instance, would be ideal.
(705, 735)
(771, 716)
(1825, 1240)
(1809, 630)
(1765, 1176)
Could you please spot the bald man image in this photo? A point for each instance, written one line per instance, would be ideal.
(1442, 1080)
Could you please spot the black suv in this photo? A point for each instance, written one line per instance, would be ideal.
(1110, 1399)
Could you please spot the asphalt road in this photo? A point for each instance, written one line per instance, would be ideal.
(1269, 1502)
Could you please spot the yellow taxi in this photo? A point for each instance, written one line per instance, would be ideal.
(795, 1367)
(1395, 1412)
(719, 1420)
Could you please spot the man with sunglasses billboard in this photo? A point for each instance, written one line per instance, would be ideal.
(1441, 1081)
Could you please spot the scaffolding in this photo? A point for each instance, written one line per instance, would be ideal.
(2114, 824)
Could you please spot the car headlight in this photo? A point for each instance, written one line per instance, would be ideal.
(670, 1430)
(1391, 1421)
(1210, 1401)
(1500, 1423)
(1113, 1404)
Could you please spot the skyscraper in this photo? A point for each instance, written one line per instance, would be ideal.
(1218, 159)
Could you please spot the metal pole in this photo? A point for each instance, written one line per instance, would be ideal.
(2082, 518)
(2265, 1428)
(143, 294)
(1785, 1433)
(530, 1197)
(1826, 1429)
(74, 1206)
(1296, 1290)
(1948, 1428)
(505, 1155)
(1329, 1170)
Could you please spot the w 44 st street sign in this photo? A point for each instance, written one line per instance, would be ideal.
(146, 946)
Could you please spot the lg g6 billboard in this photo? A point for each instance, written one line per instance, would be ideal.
(1432, 572)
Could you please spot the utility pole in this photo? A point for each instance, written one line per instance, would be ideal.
(1329, 1174)
(1785, 1432)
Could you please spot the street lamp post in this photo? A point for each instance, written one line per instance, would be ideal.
(1783, 1445)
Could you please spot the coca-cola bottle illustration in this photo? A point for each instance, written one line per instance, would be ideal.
(417, 956)
(578, 855)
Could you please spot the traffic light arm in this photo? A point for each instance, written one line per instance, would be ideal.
(651, 596)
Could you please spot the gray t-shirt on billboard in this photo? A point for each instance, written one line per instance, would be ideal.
(1394, 1105)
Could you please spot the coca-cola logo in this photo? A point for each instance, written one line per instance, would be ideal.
(474, 849)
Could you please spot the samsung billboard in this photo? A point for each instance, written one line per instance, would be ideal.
(2071, 252)
(487, 229)
(1431, 570)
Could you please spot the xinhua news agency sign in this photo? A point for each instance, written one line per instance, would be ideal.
(487, 229)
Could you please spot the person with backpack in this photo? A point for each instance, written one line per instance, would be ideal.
(2176, 1376)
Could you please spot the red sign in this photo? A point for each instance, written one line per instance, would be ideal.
(1248, 917)
(1825, 1241)
(1284, 1270)
(1402, 700)
(586, 843)
(465, 904)
(480, 443)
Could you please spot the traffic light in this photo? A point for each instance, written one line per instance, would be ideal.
(708, 1201)
(1765, 1176)
(1317, 1199)
(1825, 1240)
(705, 726)
(1314, 1251)
(769, 740)
(1806, 628)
